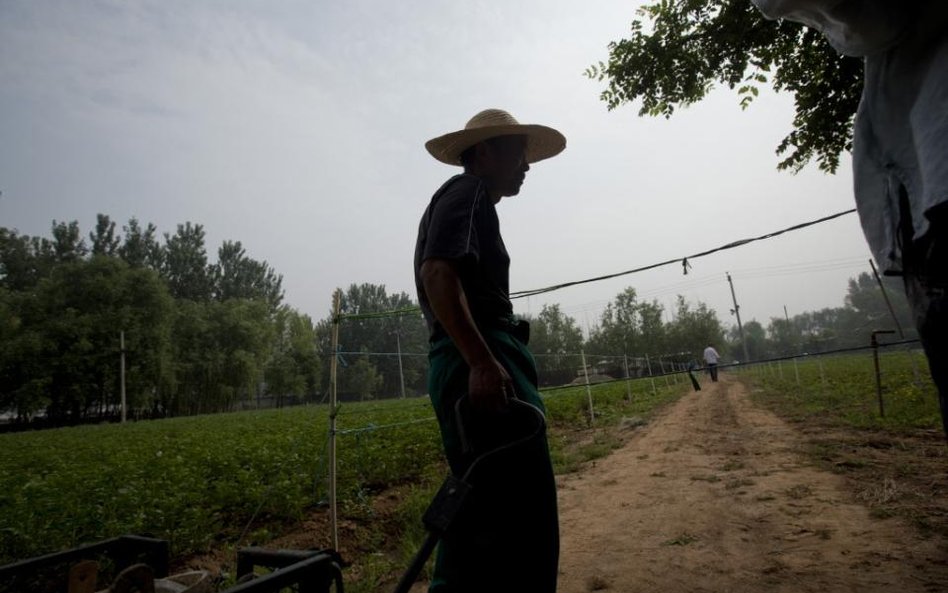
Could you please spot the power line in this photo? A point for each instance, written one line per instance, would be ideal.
(854, 262)
(793, 270)
(381, 314)
(353, 353)
(807, 265)
(374, 427)
(682, 260)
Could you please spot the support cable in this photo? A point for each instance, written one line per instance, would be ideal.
(684, 261)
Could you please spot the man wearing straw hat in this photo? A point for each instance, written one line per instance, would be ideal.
(506, 537)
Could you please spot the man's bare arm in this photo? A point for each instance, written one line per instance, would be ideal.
(488, 383)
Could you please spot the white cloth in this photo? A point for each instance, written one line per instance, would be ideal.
(711, 355)
(853, 27)
(901, 130)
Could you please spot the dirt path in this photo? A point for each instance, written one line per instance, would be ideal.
(711, 496)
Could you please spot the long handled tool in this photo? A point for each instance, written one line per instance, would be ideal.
(478, 438)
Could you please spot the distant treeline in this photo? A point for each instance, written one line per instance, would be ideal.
(204, 336)
(199, 336)
(629, 330)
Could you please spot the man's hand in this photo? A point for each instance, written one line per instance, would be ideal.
(489, 386)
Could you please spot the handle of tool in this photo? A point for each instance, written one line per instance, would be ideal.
(408, 579)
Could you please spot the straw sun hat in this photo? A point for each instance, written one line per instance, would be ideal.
(542, 142)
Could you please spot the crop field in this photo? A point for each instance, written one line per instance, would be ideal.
(222, 480)
(894, 464)
(210, 484)
(842, 389)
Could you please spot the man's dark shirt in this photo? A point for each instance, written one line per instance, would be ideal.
(460, 224)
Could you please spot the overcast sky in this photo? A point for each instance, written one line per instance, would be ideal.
(297, 128)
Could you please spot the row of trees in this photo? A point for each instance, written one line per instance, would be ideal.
(629, 330)
(849, 326)
(200, 336)
(205, 336)
(180, 260)
(369, 347)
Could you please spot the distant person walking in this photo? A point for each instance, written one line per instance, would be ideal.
(711, 358)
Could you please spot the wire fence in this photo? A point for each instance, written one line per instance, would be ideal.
(565, 370)
(382, 429)
(612, 385)
(887, 385)
(354, 378)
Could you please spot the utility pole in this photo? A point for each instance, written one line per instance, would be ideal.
(122, 371)
(796, 370)
(737, 312)
(787, 317)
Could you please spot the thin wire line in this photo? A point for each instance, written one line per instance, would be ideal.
(681, 260)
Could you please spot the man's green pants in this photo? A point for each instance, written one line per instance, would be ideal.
(506, 536)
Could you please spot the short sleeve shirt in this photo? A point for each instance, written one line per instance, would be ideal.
(711, 355)
(461, 225)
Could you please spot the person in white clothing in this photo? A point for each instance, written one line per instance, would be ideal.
(711, 358)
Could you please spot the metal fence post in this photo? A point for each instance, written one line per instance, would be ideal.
(650, 378)
(333, 410)
(661, 363)
(875, 359)
(589, 396)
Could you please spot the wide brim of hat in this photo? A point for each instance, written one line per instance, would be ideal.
(542, 142)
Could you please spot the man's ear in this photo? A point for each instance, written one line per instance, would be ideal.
(482, 151)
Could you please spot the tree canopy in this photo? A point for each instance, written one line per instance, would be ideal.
(362, 376)
(554, 338)
(205, 336)
(678, 50)
(200, 336)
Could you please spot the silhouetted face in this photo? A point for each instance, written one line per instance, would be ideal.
(504, 163)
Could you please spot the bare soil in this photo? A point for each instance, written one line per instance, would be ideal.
(718, 494)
